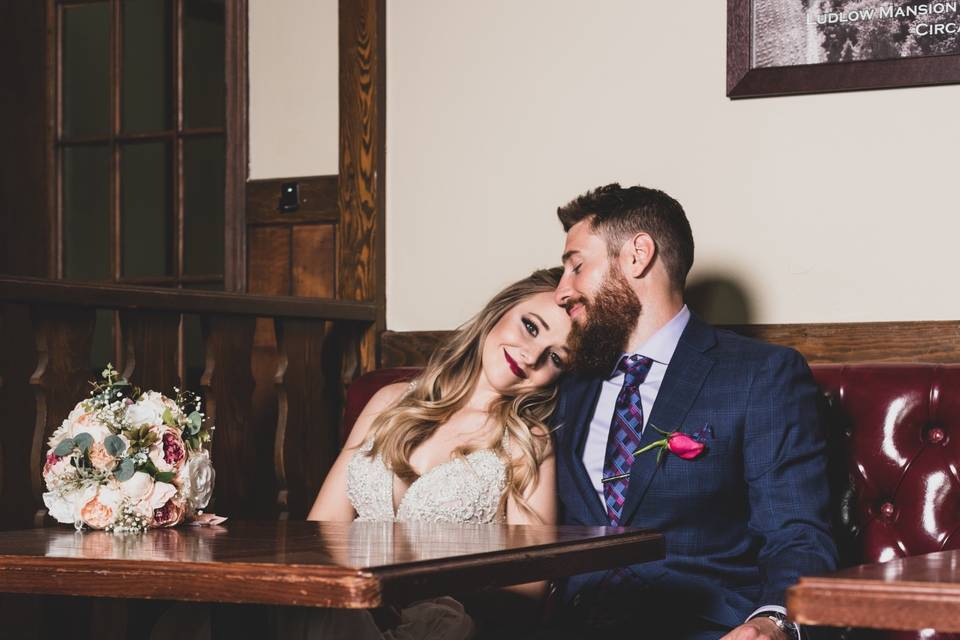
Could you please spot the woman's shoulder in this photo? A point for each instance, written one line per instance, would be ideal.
(383, 399)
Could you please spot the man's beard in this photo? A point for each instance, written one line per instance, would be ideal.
(599, 341)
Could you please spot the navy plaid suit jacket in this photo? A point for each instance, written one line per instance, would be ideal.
(744, 520)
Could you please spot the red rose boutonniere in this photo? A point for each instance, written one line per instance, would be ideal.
(679, 444)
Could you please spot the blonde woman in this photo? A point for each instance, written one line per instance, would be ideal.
(480, 405)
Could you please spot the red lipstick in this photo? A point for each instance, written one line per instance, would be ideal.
(517, 371)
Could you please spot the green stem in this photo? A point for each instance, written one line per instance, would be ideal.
(658, 443)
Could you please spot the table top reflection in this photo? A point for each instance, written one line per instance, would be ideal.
(328, 564)
(909, 594)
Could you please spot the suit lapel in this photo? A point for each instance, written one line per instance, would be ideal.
(681, 385)
(581, 398)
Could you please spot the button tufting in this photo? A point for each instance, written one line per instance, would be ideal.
(936, 436)
(887, 510)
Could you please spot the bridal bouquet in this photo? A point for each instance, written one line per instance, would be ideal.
(128, 461)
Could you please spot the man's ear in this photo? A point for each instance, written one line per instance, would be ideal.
(637, 255)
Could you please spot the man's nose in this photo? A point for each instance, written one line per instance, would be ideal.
(563, 292)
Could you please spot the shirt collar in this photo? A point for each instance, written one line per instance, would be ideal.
(661, 345)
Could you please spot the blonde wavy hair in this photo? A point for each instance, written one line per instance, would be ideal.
(445, 385)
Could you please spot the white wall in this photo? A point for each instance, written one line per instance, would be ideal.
(838, 207)
(293, 88)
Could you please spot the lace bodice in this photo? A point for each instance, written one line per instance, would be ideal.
(463, 490)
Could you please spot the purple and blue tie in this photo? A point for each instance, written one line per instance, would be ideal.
(624, 438)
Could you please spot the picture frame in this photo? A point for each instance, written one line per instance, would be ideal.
(747, 79)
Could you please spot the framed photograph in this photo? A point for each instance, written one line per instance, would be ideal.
(782, 47)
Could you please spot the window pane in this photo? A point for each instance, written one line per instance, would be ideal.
(203, 63)
(86, 213)
(203, 188)
(147, 104)
(146, 219)
(86, 69)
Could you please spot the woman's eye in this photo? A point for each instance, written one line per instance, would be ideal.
(531, 327)
(557, 360)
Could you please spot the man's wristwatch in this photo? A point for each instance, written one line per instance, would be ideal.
(788, 629)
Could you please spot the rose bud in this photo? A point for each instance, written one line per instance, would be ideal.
(683, 446)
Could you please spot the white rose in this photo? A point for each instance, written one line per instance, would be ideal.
(62, 508)
(162, 491)
(148, 409)
(196, 480)
(137, 487)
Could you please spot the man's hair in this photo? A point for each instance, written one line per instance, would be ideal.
(617, 214)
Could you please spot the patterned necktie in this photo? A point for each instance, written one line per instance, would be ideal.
(624, 438)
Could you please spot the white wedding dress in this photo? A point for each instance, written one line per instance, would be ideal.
(465, 490)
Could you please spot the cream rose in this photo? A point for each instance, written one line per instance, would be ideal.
(196, 480)
(101, 510)
(148, 409)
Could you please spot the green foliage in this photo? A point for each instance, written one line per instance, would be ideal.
(126, 470)
(83, 441)
(64, 448)
(114, 445)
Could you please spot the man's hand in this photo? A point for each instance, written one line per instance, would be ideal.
(759, 628)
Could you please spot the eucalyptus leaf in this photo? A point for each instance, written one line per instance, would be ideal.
(65, 447)
(125, 471)
(194, 420)
(114, 445)
(83, 441)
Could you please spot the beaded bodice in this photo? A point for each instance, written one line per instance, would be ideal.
(463, 490)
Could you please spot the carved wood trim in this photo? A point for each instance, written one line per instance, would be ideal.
(227, 383)
(64, 337)
(361, 185)
(309, 406)
(936, 342)
(151, 349)
(111, 296)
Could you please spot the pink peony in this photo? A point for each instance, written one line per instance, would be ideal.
(173, 452)
(683, 446)
(169, 515)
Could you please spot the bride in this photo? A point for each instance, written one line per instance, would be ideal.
(480, 405)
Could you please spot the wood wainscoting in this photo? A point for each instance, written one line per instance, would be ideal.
(936, 342)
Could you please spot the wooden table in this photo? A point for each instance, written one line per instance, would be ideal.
(919, 592)
(350, 565)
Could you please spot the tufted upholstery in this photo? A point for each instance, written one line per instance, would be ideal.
(894, 439)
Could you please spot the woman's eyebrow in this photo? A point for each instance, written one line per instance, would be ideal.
(542, 321)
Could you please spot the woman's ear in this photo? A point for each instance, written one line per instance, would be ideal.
(637, 255)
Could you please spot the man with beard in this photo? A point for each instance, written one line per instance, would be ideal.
(670, 424)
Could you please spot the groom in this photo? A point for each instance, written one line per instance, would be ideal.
(746, 516)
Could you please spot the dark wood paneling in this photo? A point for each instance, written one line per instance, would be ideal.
(923, 342)
(161, 299)
(18, 361)
(268, 271)
(240, 453)
(151, 349)
(314, 261)
(318, 201)
(309, 411)
(25, 140)
(362, 174)
(64, 336)
(237, 145)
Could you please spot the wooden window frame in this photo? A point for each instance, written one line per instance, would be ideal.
(234, 132)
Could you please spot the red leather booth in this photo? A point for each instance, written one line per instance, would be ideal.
(894, 438)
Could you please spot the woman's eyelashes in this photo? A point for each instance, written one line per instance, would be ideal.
(531, 327)
(556, 360)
